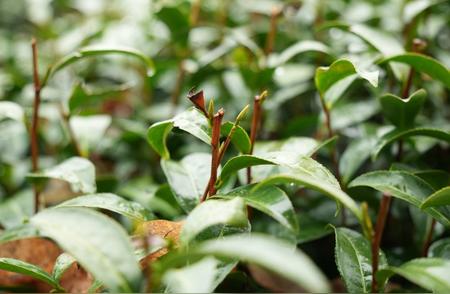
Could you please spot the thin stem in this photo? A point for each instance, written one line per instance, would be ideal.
(256, 121)
(376, 241)
(195, 12)
(35, 121)
(428, 239)
(276, 12)
(215, 154)
(227, 142)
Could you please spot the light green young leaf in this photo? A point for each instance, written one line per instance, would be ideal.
(402, 185)
(77, 171)
(240, 138)
(188, 178)
(98, 243)
(354, 260)
(227, 213)
(272, 254)
(191, 121)
(440, 249)
(424, 64)
(397, 134)
(62, 264)
(97, 51)
(25, 268)
(110, 202)
(438, 198)
(428, 273)
(402, 112)
(269, 200)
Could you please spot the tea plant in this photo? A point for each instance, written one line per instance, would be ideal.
(230, 146)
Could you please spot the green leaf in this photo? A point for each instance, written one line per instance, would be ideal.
(272, 254)
(62, 264)
(296, 49)
(424, 64)
(11, 110)
(354, 260)
(191, 121)
(213, 212)
(89, 130)
(242, 161)
(440, 248)
(188, 178)
(99, 244)
(428, 273)
(326, 77)
(97, 51)
(201, 277)
(240, 137)
(77, 171)
(17, 233)
(15, 210)
(177, 23)
(402, 185)
(269, 200)
(438, 198)
(314, 176)
(415, 8)
(402, 112)
(25, 268)
(357, 152)
(398, 134)
(360, 111)
(110, 202)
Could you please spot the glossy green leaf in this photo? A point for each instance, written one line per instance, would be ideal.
(402, 112)
(397, 134)
(438, 198)
(272, 254)
(11, 110)
(25, 268)
(313, 175)
(440, 249)
(240, 162)
(360, 111)
(77, 171)
(191, 121)
(326, 77)
(62, 264)
(296, 49)
(402, 185)
(231, 213)
(428, 273)
(424, 64)
(188, 178)
(269, 200)
(240, 138)
(98, 243)
(97, 51)
(110, 202)
(354, 260)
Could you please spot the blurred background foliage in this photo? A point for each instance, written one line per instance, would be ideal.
(224, 48)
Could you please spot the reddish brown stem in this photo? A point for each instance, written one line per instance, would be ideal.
(428, 239)
(227, 142)
(35, 121)
(215, 154)
(256, 121)
(276, 11)
(376, 241)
